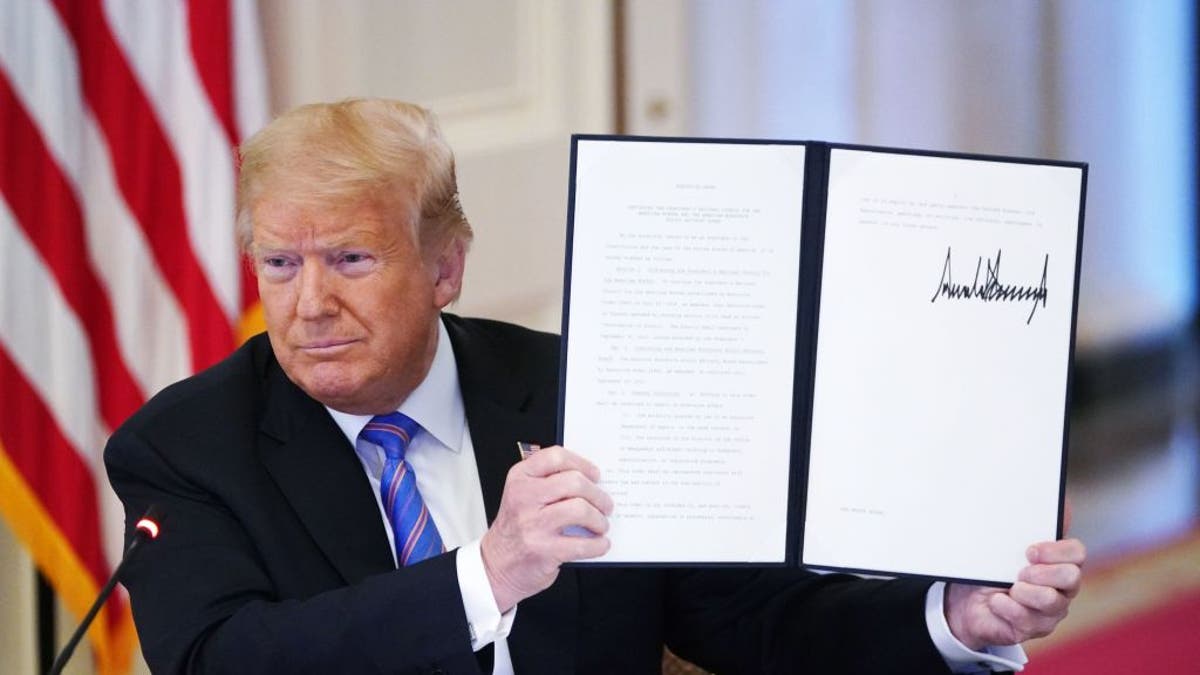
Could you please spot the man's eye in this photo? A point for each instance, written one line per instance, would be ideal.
(355, 263)
(277, 267)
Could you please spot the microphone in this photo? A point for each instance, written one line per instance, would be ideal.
(146, 529)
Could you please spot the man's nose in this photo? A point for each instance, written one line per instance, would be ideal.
(317, 297)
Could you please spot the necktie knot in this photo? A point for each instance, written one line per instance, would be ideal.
(392, 432)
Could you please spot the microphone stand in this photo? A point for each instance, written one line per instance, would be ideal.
(146, 530)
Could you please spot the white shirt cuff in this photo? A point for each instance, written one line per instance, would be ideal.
(484, 619)
(958, 656)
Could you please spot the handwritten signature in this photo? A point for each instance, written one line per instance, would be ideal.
(992, 289)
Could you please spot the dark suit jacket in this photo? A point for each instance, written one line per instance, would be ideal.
(273, 557)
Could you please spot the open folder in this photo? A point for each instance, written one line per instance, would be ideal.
(821, 355)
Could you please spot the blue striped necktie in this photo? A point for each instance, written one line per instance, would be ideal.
(416, 536)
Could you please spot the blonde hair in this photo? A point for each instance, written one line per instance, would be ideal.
(355, 149)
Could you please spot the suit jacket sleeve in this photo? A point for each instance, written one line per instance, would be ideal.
(792, 621)
(205, 603)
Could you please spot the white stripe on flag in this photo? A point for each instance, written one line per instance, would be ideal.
(39, 58)
(249, 70)
(154, 38)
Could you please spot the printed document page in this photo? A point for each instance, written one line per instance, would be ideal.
(681, 343)
(941, 371)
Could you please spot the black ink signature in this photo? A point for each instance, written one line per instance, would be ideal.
(992, 290)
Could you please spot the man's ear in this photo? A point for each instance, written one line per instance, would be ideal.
(448, 272)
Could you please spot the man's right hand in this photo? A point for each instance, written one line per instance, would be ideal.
(525, 545)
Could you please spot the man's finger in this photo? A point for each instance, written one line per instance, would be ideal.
(1065, 577)
(1071, 551)
(1024, 623)
(568, 484)
(1041, 599)
(575, 511)
(556, 459)
(582, 548)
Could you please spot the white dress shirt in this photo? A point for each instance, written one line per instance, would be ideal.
(443, 459)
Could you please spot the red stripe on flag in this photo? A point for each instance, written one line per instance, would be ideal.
(46, 207)
(211, 36)
(147, 173)
(51, 466)
(210, 26)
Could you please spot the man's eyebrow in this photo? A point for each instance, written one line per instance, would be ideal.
(346, 243)
(259, 248)
(355, 236)
(341, 242)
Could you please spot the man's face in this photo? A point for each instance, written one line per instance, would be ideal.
(351, 305)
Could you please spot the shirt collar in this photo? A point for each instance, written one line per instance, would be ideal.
(436, 404)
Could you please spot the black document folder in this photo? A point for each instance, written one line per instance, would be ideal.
(822, 355)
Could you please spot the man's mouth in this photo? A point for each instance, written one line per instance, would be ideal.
(326, 346)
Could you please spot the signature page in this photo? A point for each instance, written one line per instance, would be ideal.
(681, 343)
(945, 321)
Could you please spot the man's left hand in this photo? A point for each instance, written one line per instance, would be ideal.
(1034, 605)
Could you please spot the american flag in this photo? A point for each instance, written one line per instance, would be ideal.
(119, 269)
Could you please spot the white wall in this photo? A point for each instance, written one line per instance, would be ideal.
(1109, 83)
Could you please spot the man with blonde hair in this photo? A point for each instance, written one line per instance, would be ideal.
(343, 494)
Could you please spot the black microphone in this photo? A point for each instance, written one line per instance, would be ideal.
(147, 529)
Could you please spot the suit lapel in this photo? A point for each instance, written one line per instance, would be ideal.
(501, 404)
(504, 407)
(322, 479)
(494, 433)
